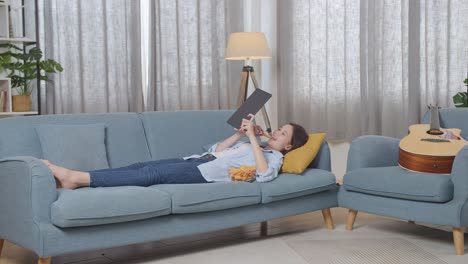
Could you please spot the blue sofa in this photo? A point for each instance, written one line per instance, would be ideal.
(50, 221)
(374, 183)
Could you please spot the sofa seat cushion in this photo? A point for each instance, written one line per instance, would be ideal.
(399, 183)
(204, 197)
(97, 206)
(288, 186)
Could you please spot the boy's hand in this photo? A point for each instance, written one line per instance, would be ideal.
(248, 126)
(240, 132)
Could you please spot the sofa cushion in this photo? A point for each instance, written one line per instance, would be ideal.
(400, 183)
(289, 186)
(77, 147)
(194, 198)
(97, 206)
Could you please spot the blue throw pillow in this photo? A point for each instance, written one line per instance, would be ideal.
(76, 147)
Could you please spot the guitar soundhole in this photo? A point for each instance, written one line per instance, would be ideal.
(435, 132)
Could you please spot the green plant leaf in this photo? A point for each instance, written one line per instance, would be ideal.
(35, 53)
(24, 66)
(460, 99)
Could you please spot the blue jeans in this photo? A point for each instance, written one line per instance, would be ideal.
(168, 171)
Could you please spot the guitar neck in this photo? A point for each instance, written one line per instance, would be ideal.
(435, 123)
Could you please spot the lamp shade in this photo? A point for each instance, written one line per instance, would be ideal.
(247, 46)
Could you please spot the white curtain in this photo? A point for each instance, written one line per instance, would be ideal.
(187, 69)
(368, 67)
(443, 50)
(98, 44)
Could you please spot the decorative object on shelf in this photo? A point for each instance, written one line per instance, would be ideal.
(4, 21)
(461, 98)
(22, 67)
(5, 98)
(15, 18)
(21, 103)
(248, 46)
(10, 25)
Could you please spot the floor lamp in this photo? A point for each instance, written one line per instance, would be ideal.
(248, 46)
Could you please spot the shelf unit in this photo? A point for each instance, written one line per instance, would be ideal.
(24, 41)
(5, 114)
(18, 40)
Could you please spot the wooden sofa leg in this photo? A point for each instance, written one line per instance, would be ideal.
(264, 228)
(1, 246)
(40, 261)
(459, 240)
(328, 218)
(44, 260)
(351, 218)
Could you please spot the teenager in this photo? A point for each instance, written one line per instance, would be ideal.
(212, 166)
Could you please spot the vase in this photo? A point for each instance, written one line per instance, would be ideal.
(21, 103)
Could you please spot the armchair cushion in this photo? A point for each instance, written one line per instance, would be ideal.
(399, 183)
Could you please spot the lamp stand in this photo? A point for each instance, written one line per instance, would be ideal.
(248, 71)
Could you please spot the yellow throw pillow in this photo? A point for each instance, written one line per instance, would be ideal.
(296, 161)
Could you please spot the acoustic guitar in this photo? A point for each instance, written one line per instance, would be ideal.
(428, 148)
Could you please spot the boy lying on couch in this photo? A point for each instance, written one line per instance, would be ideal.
(212, 166)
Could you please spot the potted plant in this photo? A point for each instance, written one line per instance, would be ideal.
(461, 98)
(22, 68)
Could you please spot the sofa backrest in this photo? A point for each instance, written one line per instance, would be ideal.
(322, 160)
(451, 118)
(183, 133)
(125, 137)
(135, 137)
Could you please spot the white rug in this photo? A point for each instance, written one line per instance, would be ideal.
(358, 251)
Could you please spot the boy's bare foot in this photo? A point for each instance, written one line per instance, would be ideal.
(64, 176)
(68, 179)
(57, 182)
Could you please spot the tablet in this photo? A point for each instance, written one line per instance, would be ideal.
(252, 105)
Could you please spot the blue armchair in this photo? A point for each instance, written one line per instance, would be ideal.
(374, 183)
